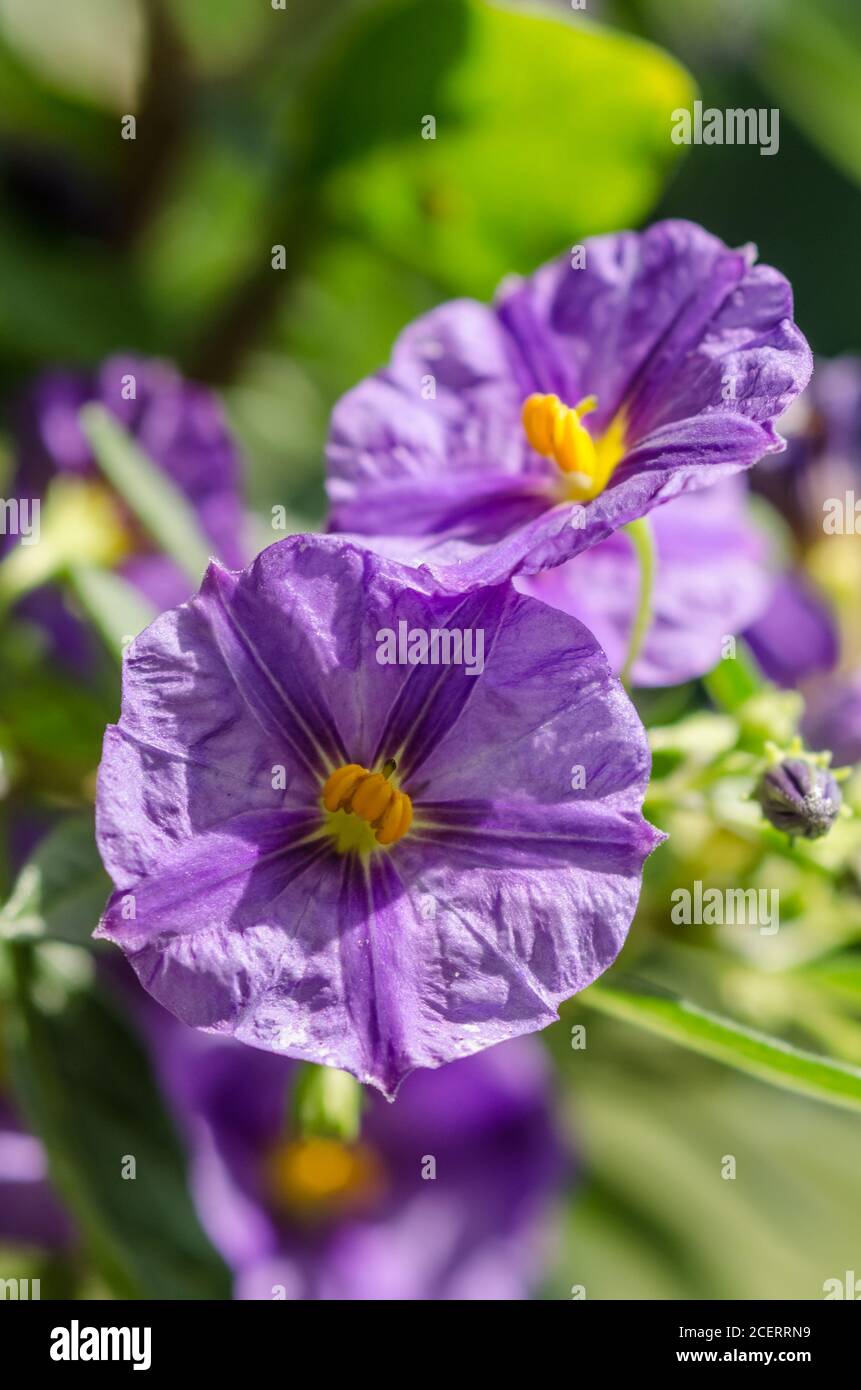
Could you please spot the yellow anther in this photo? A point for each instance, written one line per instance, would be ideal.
(539, 419)
(555, 431)
(573, 448)
(341, 785)
(372, 797)
(397, 820)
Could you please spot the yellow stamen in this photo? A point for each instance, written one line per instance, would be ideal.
(556, 431)
(314, 1177)
(371, 796)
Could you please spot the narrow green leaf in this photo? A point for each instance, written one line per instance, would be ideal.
(61, 890)
(87, 1089)
(159, 506)
(725, 1040)
(114, 606)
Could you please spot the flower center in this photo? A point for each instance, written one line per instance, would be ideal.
(323, 1177)
(381, 813)
(556, 431)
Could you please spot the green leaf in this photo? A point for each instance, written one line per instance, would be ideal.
(87, 1089)
(733, 681)
(113, 605)
(162, 509)
(61, 891)
(810, 57)
(725, 1040)
(545, 131)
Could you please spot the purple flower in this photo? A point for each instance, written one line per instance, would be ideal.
(269, 883)
(445, 1195)
(711, 580)
(813, 485)
(832, 718)
(507, 440)
(823, 456)
(796, 636)
(177, 423)
(30, 1212)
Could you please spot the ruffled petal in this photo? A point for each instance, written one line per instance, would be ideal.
(689, 340)
(711, 580)
(235, 907)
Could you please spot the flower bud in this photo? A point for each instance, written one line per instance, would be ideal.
(799, 797)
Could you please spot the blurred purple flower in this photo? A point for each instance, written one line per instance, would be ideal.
(832, 718)
(179, 424)
(711, 581)
(796, 636)
(657, 367)
(246, 907)
(319, 1219)
(30, 1212)
(823, 454)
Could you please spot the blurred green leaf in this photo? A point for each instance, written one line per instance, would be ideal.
(733, 681)
(545, 131)
(59, 305)
(724, 1040)
(113, 605)
(61, 890)
(53, 722)
(92, 49)
(161, 508)
(87, 1089)
(654, 1216)
(810, 57)
(208, 232)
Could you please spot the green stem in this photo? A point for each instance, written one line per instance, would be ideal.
(327, 1104)
(643, 542)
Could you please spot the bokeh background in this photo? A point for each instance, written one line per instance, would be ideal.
(301, 128)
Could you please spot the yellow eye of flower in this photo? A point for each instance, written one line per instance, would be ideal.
(556, 431)
(318, 1177)
(371, 796)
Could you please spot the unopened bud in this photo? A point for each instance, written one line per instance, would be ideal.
(799, 797)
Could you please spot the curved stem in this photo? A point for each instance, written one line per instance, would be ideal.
(643, 541)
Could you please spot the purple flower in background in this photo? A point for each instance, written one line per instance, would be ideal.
(832, 718)
(711, 580)
(813, 485)
(30, 1212)
(507, 440)
(329, 843)
(445, 1196)
(795, 637)
(823, 454)
(181, 427)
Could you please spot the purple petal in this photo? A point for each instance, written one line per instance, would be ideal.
(246, 921)
(711, 581)
(832, 719)
(796, 636)
(693, 341)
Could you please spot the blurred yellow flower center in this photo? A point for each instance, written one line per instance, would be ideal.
(315, 1177)
(365, 809)
(556, 431)
(81, 524)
